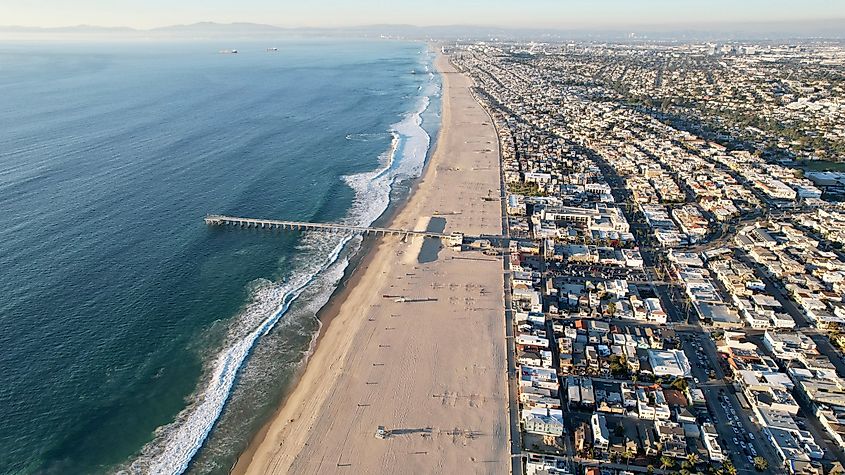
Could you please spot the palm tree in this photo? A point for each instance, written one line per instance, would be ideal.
(667, 462)
(729, 467)
(693, 459)
(760, 463)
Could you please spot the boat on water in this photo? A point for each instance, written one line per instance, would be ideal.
(228, 51)
(272, 50)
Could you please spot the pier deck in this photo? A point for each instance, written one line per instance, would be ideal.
(221, 220)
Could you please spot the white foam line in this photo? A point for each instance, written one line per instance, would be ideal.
(185, 436)
(176, 444)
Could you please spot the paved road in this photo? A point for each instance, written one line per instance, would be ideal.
(679, 320)
(801, 321)
(714, 389)
(513, 394)
(819, 337)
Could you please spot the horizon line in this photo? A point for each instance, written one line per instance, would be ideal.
(575, 26)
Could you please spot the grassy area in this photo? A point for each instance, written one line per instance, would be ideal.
(525, 189)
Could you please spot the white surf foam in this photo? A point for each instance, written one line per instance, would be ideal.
(367, 137)
(176, 444)
(185, 436)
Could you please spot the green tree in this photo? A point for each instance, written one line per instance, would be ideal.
(760, 463)
(618, 366)
(693, 459)
(627, 455)
(680, 384)
(611, 308)
(666, 462)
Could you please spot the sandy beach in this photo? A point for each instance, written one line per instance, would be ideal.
(432, 372)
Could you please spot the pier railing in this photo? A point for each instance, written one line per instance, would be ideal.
(452, 239)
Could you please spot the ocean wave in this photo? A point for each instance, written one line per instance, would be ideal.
(367, 137)
(184, 437)
(372, 189)
(273, 356)
(175, 444)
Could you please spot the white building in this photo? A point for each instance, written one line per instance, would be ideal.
(669, 363)
(601, 435)
(543, 421)
(789, 346)
(711, 442)
(652, 405)
(655, 310)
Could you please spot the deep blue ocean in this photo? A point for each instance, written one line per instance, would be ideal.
(132, 336)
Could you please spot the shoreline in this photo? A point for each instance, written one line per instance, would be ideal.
(335, 373)
(325, 316)
(352, 277)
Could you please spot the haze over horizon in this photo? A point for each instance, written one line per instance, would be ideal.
(580, 14)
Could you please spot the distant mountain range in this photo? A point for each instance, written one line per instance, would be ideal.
(819, 29)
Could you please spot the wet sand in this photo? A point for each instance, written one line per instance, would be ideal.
(432, 372)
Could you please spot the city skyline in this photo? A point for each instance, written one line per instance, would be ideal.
(337, 14)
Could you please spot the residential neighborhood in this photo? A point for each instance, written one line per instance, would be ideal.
(675, 286)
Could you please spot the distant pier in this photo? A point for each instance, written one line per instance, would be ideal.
(451, 239)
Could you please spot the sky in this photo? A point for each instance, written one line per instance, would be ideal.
(334, 13)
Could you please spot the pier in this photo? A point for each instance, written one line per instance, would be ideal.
(451, 239)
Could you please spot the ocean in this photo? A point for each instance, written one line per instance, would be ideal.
(133, 337)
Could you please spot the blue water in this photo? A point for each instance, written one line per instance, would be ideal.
(132, 336)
